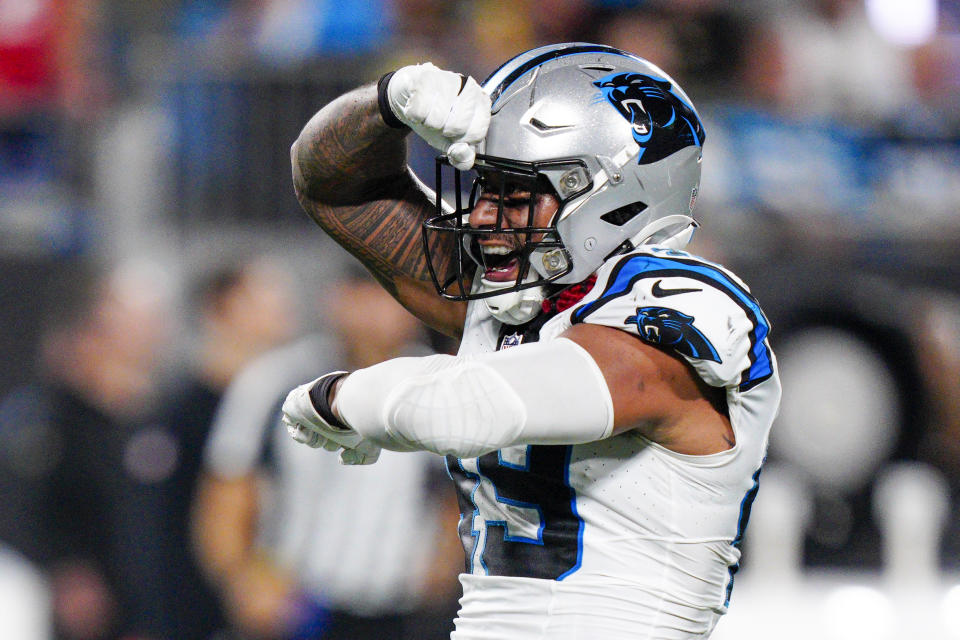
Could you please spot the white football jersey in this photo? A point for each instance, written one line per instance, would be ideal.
(621, 538)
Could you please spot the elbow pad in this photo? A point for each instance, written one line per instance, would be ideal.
(540, 393)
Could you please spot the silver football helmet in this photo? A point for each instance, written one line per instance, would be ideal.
(610, 135)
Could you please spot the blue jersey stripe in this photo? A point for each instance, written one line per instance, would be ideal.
(639, 266)
(746, 505)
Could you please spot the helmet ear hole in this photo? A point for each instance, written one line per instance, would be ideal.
(622, 215)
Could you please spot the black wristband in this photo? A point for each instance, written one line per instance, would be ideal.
(383, 103)
(320, 399)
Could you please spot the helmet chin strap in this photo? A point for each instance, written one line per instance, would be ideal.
(514, 307)
(673, 232)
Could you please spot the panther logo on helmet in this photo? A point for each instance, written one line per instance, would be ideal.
(670, 328)
(662, 122)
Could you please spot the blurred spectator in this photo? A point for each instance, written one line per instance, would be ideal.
(80, 460)
(939, 352)
(495, 28)
(291, 31)
(649, 34)
(326, 551)
(558, 21)
(54, 85)
(281, 32)
(50, 75)
(837, 64)
(424, 30)
(767, 158)
(232, 63)
(761, 69)
(698, 42)
(244, 308)
(935, 68)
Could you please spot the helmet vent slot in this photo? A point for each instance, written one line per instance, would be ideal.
(623, 215)
(543, 126)
(596, 70)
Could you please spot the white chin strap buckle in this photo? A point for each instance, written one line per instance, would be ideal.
(513, 307)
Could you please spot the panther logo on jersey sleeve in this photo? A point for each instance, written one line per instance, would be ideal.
(687, 306)
(673, 329)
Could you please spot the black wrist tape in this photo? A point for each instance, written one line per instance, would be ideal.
(320, 399)
(383, 103)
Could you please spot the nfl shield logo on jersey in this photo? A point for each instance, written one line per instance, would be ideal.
(511, 340)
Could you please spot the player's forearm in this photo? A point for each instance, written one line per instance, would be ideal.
(346, 154)
(538, 393)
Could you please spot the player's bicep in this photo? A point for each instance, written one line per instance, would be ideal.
(658, 394)
(638, 376)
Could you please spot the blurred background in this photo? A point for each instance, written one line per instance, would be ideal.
(151, 247)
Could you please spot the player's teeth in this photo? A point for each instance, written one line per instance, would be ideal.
(496, 250)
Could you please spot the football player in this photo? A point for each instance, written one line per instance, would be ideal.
(607, 414)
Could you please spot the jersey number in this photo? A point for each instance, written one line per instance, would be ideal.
(535, 495)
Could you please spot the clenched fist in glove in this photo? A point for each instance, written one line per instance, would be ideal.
(448, 110)
(310, 421)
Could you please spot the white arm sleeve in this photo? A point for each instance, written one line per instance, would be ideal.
(540, 393)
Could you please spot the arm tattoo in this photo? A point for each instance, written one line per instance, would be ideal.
(383, 235)
(350, 175)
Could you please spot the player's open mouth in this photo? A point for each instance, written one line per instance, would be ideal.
(501, 264)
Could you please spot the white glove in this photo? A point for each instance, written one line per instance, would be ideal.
(307, 426)
(446, 109)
